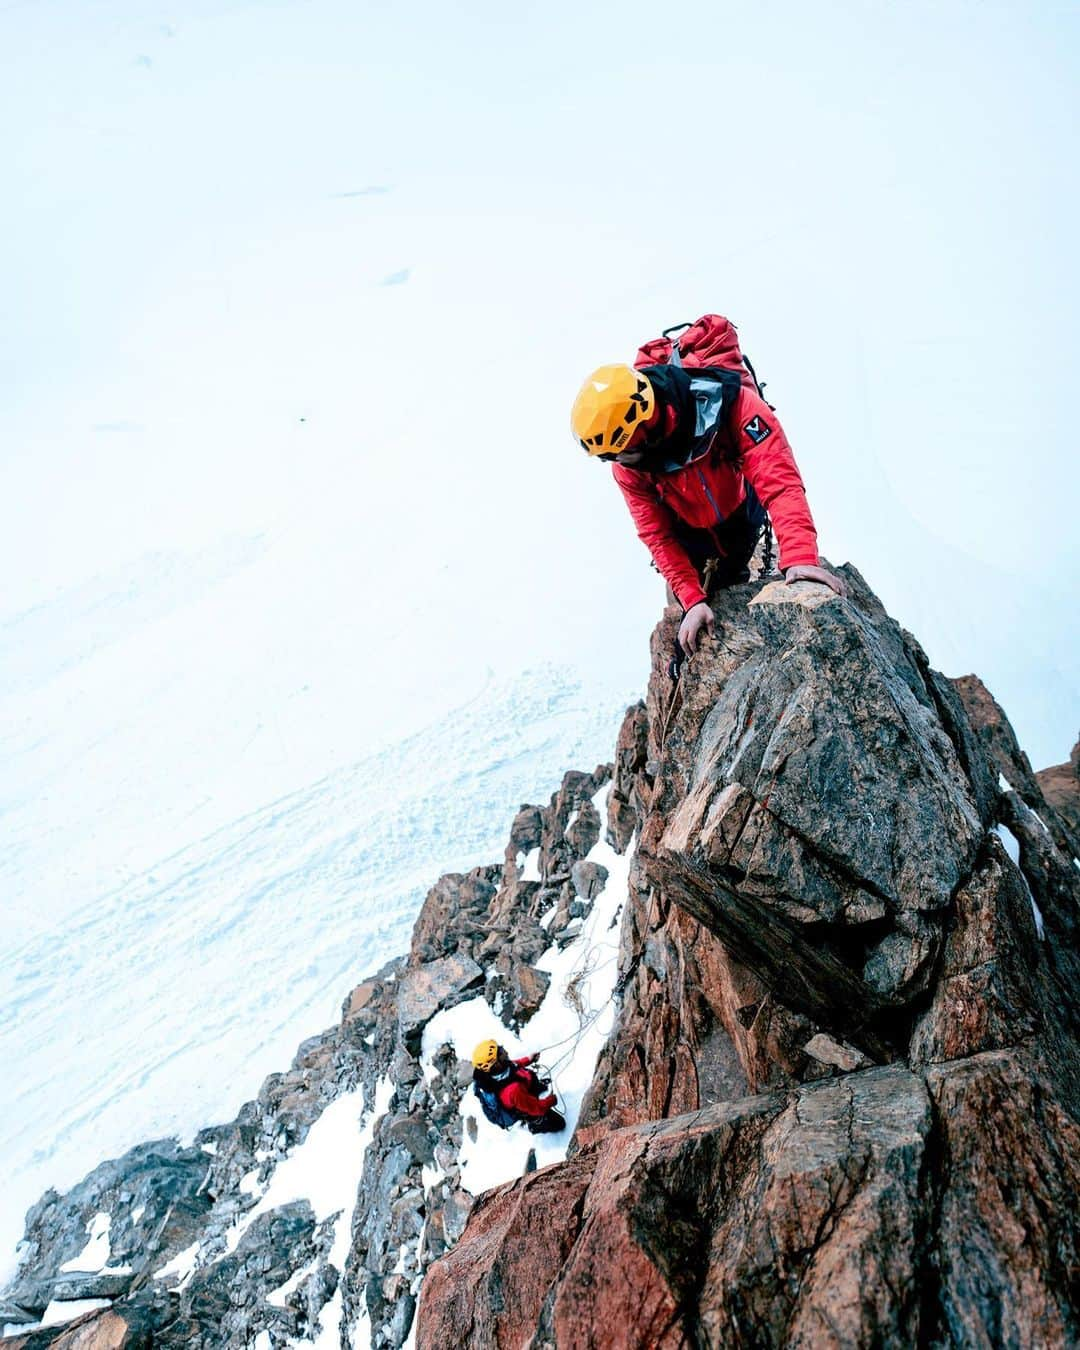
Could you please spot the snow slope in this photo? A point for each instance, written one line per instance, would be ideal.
(159, 1006)
(569, 1030)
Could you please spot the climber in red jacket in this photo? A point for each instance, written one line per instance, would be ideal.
(701, 460)
(518, 1089)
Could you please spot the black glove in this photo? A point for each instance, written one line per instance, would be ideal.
(675, 664)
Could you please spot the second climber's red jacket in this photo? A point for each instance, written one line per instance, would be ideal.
(517, 1096)
(706, 491)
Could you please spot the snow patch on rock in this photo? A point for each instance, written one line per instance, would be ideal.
(1012, 848)
(569, 1030)
(96, 1253)
(182, 1266)
(530, 867)
(325, 1169)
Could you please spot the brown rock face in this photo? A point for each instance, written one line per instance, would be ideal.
(765, 1221)
(1005, 757)
(102, 1330)
(806, 770)
(833, 904)
(1006, 1245)
(1060, 786)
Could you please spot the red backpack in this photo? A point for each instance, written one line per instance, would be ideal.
(711, 341)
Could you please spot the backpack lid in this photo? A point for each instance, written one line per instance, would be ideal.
(710, 341)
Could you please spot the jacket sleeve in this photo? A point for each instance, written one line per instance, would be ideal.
(518, 1098)
(655, 525)
(769, 467)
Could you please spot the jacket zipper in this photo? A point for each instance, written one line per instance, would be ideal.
(719, 518)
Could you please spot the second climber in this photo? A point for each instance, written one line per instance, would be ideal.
(509, 1090)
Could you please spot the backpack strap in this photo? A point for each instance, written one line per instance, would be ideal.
(675, 359)
(757, 383)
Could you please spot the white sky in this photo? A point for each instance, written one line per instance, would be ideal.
(879, 194)
(297, 295)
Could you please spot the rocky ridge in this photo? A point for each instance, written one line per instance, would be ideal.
(841, 1102)
(832, 1076)
(234, 1241)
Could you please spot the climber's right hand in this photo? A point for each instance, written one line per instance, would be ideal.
(697, 618)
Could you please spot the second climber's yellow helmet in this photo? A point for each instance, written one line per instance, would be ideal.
(611, 404)
(485, 1055)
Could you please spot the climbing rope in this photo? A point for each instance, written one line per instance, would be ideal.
(767, 551)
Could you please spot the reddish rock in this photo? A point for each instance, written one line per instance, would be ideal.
(771, 1221)
(571, 824)
(631, 752)
(1060, 786)
(841, 1215)
(671, 1050)
(454, 913)
(988, 995)
(517, 1234)
(424, 989)
(360, 998)
(817, 882)
(102, 1329)
(1007, 759)
(1006, 1238)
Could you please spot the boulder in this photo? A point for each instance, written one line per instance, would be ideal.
(411, 1132)
(808, 771)
(453, 913)
(426, 988)
(809, 1235)
(1060, 785)
(589, 879)
(101, 1285)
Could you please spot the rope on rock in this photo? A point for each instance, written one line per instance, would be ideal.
(767, 551)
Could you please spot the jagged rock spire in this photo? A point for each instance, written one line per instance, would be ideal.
(837, 905)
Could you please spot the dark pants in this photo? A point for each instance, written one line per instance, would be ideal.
(728, 547)
(552, 1123)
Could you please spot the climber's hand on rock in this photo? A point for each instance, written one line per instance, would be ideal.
(697, 618)
(819, 574)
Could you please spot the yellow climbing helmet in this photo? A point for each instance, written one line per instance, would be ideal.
(611, 404)
(485, 1055)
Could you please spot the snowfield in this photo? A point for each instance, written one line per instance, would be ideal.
(160, 1007)
(569, 1030)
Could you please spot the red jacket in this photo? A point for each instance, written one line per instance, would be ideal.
(517, 1096)
(706, 491)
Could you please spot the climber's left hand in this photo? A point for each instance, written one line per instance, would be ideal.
(818, 574)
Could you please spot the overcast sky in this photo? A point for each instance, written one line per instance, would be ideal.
(302, 292)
